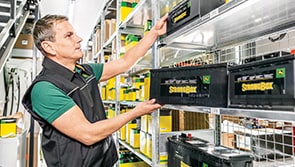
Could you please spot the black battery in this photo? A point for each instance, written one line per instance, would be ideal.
(195, 152)
(189, 10)
(204, 85)
(265, 84)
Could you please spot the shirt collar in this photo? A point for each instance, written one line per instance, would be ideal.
(57, 68)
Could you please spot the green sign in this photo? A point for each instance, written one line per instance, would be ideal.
(205, 165)
(206, 79)
(280, 73)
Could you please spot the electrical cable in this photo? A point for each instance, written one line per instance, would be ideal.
(280, 37)
(11, 78)
(18, 93)
(6, 84)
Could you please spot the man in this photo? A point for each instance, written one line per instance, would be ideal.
(65, 100)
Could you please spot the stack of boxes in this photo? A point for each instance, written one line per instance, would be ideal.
(138, 133)
(146, 133)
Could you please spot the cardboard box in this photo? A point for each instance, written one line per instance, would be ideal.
(182, 120)
(24, 41)
(107, 24)
(228, 140)
(113, 26)
(98, 40)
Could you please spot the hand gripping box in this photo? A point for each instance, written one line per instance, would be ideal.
(189, 10)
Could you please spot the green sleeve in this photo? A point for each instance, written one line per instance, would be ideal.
(50, 102)
(97, 69)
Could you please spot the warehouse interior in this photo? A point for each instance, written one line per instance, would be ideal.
(224, 73)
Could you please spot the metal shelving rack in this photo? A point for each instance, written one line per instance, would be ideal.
(11, 23)
(237, 30)
(230, 26)
(233, 24)
(125, 27)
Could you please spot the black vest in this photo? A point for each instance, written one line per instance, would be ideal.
(59, 150)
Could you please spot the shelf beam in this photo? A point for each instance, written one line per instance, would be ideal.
(256, 113)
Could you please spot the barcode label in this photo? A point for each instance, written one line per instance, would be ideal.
(215, 111)
(214, 13)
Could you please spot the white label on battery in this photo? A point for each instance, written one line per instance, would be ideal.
(215, 111)
(214, 13)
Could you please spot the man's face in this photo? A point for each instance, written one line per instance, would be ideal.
(67, 43)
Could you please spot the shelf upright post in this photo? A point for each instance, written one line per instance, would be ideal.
(93, 47)
(116, 50)
(13, 16)
(100, 58)
(155, 114)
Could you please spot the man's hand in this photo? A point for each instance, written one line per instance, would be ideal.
(161, 26)
(146, 107)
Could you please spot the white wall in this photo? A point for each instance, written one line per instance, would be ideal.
(83, 14)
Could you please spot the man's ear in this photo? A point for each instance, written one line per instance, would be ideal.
(48, 47)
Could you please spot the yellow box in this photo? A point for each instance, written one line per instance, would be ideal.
(126, 8)
(144, 123)
(111, 112)
(165, 123)
(132, 94)
(7, 127)
(134, 138)
(130, 45)
(163, 158)
(103, 92)
(149, 148)
(128, 128)
(134, 164)
(183, 164)
(143, 144)
(122, 133)
(147, 83)
(111, 94)
(122, 95)
(112, 82)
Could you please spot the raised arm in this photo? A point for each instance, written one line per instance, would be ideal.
(123, 64)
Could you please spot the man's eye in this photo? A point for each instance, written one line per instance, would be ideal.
(69, 35)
